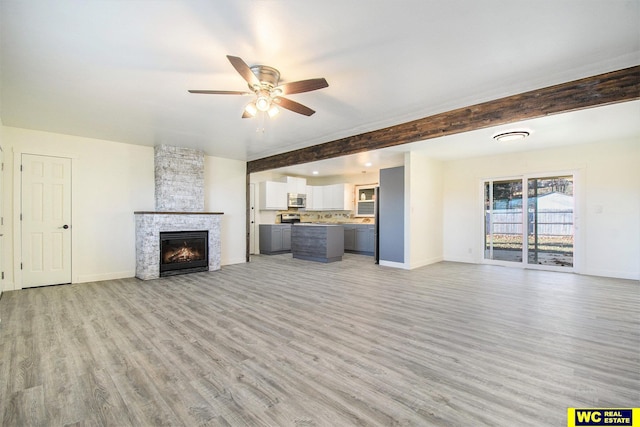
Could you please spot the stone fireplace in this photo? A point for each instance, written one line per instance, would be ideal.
(178, 237)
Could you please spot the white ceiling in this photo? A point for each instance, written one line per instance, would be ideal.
(120, 70)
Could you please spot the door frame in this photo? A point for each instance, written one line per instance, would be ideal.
(17, 206)
(253, 248)
(577, 210)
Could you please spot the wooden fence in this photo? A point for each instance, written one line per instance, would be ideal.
(552, 222)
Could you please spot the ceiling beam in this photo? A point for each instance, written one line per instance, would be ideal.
(609, 88)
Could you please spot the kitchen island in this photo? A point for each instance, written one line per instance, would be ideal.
(317, 242)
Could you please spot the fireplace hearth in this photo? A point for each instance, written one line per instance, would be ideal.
(183, 252)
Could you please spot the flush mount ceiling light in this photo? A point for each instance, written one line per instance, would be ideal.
(511, 135)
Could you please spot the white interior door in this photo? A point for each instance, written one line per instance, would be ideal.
(46, 220)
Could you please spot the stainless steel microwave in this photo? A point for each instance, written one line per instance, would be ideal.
(296, 200)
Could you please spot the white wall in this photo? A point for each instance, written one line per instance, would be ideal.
(3, 257)
(225, 189)
(423, 213)
(607, 191)
(110, 181)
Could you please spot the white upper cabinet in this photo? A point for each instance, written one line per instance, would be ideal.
(296, 185)
(309, 193)
(344, 195)
(273, 195)
(335, 197)
(318, 198)
(328, 199)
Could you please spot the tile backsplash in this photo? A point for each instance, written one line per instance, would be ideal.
(329, 217)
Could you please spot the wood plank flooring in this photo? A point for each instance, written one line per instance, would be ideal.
(286, 342)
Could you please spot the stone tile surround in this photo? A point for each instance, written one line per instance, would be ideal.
(149, 225)
(179, 178)
(179, 191)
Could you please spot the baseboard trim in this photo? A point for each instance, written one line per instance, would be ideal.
(401, 265)
(105, 276)
(234, 261)
(612, 273)
(426, 262)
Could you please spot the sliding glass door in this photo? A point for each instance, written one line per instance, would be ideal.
(550, 221)
(503, 221)
(535, 210)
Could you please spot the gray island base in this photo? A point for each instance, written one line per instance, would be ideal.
(317, 242)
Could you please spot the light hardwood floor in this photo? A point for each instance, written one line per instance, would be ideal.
(286, 342)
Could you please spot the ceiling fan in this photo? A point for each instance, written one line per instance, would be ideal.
(264, 84)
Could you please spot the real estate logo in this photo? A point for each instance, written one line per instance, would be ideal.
(603, 417)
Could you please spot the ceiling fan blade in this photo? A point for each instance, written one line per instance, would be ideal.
(246, 115)
(293, 106)
(221, 92)
(243, 69)
(302, 86)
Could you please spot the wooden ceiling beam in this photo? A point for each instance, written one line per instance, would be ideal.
(608, 88)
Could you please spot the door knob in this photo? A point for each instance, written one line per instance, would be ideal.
(65, 226)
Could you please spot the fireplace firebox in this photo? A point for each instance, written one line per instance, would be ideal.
(183, 252)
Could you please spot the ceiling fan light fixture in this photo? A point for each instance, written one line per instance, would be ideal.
(263, 103)
(264, 82)
(251, 109)
(511, 135)
(273, 111)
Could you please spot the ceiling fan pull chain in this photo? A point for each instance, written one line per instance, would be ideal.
(260, 128)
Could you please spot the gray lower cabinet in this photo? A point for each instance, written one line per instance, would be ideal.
(349, 237)
(359, 238)
(275, 238)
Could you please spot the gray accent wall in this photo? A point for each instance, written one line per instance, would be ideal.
(391, 218)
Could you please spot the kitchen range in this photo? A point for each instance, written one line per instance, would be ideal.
(289, 218)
